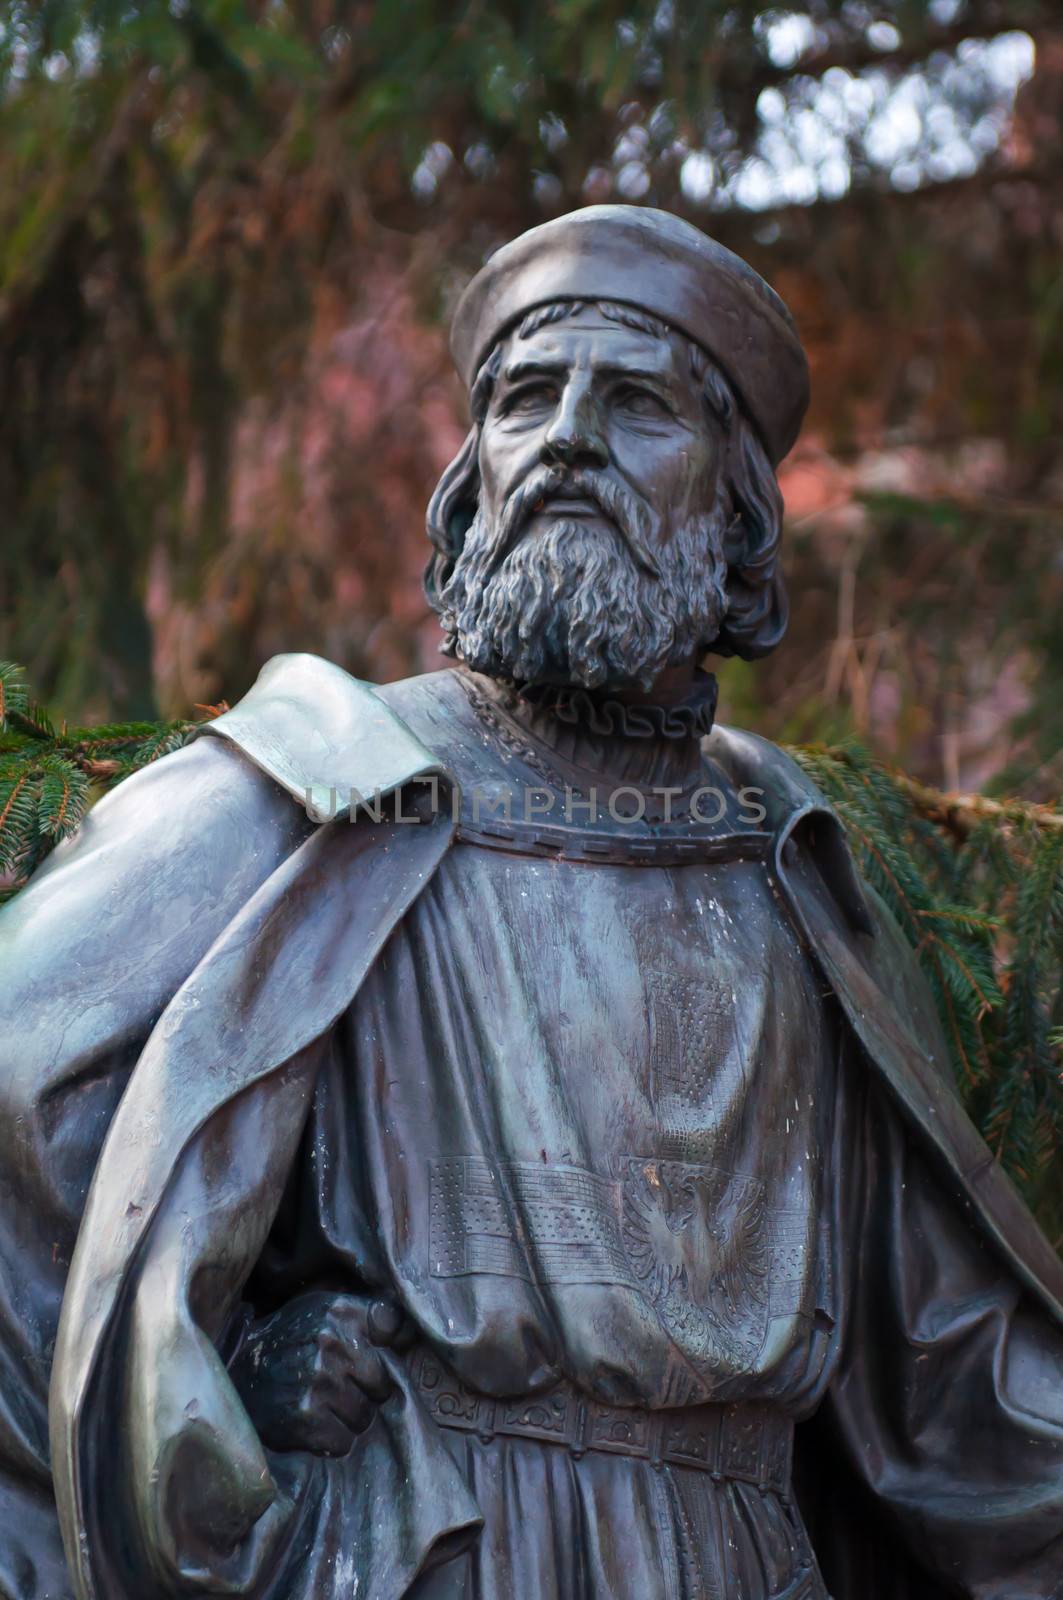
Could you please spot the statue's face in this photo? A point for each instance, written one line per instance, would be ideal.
(598, 396)
(596, 552)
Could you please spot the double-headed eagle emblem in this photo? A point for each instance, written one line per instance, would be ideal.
(699, 1242)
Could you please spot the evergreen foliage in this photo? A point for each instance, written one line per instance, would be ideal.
(975, 884)
(202, 201)
(977, 887)
(49, 776)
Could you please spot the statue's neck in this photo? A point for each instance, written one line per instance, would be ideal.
(675, 686)
(650, 740)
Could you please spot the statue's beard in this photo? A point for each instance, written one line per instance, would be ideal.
(580, 604)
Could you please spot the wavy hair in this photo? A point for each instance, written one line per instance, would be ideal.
(757, 609)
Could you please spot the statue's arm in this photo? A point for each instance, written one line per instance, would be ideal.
(108, 928)
(949, 1397)
(91, 951)
(196, 1489)
(181, 1203)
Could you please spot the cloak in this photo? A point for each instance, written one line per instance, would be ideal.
(235, 1007)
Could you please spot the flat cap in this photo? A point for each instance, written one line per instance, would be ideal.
(656, 261)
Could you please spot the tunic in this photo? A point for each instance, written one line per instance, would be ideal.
(594, 1147)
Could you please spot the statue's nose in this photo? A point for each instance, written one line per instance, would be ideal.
(574, 437)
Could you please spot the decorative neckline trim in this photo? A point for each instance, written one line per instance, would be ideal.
(601, 713)
(567, 754)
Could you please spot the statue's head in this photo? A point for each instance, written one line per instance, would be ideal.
(614, 510)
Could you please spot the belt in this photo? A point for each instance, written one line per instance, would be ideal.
(745, 1442)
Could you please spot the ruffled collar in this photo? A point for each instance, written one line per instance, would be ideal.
(585, 736)
(602, 714)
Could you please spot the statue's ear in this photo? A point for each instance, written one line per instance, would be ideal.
(758, 609)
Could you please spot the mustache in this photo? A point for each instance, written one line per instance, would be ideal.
(633, 519)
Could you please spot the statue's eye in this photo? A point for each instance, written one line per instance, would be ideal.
(531, 397)
(639, 402)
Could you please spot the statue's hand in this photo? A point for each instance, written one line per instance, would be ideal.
(311, 1375)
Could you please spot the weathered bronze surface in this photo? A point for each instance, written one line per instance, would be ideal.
(478, 1137)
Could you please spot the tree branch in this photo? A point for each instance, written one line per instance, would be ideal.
(961, 813)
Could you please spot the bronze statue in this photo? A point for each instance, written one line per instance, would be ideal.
(478, 1137)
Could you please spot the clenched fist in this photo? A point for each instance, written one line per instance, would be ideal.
(311, 1375)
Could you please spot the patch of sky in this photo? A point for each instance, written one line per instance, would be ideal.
(546, 187)
(817, 133)
(335, 41)
(883, 35)
(21, 36)
(552, 132)
(786, 36)
(945, 11)
(697, 175)
(633, 180)
(433, 165)
(928, 124)
(479, 160)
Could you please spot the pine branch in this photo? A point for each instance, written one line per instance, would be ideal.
(63, 797)
(961, 813)
(977, 887)
(14, 695)
(18, 817)
(49, 776)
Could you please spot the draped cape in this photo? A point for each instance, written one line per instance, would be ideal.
(213, 1107)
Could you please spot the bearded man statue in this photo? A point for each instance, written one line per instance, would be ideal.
(478, 1136)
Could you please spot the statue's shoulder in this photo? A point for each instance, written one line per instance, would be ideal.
(834, 904)
(752, 762)
(429, 704)
(325, 736)
(806, 828)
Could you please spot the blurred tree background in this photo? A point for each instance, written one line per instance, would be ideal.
(230, 237)
(230, 234)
